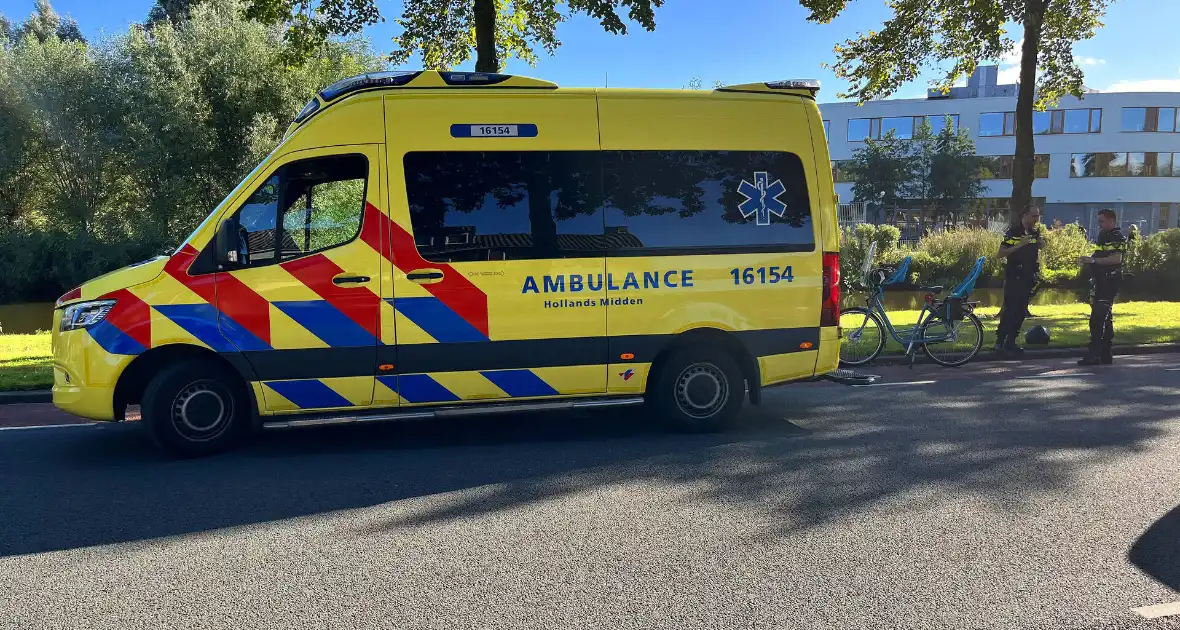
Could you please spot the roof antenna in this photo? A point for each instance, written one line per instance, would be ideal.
(606, 79)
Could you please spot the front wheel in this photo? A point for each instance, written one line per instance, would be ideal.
(863, 336)
(959, 341)
(192, 409)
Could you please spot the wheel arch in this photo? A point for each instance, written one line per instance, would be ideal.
(717, 338)
(134, 380)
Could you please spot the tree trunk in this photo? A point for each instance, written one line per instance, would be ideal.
(1022, 163)
(485, 36)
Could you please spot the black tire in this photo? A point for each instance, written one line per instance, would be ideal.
(698, 389)
(970, 324)
(866, 323)
(215, 424)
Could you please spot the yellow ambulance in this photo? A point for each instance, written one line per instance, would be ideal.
(427, 244)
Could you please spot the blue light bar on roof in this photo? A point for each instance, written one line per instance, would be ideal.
(365, 81)
(473, 78)
(795, 84)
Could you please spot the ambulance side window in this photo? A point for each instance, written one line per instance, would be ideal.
(702, 202)
(505, 205)
(305, 207)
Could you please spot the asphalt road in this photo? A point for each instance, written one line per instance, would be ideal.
(993, 496)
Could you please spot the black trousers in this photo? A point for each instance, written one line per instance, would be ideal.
(1101, 318)
(1017, 290)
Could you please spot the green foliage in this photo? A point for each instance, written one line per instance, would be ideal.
(112, 153)
(954, 252)
(854, 246)
(1156, 264)
(445, 33)
(956, 36)
(1060, 249)
(880, 170)
(944, 171)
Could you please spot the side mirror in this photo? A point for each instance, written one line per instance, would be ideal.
(226, 244)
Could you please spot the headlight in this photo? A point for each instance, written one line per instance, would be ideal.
(85, 314)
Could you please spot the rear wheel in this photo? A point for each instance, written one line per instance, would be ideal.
(963, 339)
(191, 409)
(698, 389)
(863, 336)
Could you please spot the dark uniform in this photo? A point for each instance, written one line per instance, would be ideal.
(1104, 283)
(1020, 276)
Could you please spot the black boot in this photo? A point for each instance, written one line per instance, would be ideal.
(1089, 359)
(1012, 350)
(999, 349)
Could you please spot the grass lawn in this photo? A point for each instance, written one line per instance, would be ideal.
(25, 362)
(1069, 324)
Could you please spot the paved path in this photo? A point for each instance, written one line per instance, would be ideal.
(1023, 496)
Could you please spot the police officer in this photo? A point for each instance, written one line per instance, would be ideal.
(1020, 246)
(1106, 271)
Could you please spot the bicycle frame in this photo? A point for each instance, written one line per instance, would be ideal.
(876, 304)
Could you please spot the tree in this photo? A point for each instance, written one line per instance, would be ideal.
(446, 32)
(944, 171)
(880, 171)
(173, 11)
(45, 23)
(933, 32)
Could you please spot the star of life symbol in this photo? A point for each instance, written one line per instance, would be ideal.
(762, 198)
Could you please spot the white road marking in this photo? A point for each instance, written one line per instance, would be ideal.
(49, 426)
(1158, 610)
(1055, 375)
(1172, 369)
(895, 384)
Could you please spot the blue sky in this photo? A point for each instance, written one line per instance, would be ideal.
(748, 40)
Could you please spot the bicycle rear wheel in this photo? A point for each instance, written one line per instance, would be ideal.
(863, 336)
(960, 340)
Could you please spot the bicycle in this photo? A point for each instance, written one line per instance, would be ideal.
(947, 330)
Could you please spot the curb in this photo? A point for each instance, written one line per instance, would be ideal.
(34, 396)
(986, 355)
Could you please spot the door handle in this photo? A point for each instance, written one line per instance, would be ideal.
(424, 276)
(350, 279)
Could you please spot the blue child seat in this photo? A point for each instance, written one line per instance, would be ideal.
(902, 274)
(968, 285)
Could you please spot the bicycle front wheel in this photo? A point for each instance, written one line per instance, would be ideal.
(958, 342)
(863, 336)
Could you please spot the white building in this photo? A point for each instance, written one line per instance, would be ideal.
(1107, 150)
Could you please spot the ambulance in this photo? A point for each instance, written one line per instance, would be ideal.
(430, 244)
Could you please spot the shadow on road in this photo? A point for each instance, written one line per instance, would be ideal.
(69, 488)
(1157, 552)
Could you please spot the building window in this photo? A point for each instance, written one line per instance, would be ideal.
(858, 129)
(938, 122)
(997, 124)
(1149, 119)
(903, 127)
(1134, 164)
(1165, 216)
(840, 172)
(827, 128)
(1049, 122)
(1000, 166)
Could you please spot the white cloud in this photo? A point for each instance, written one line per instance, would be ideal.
(1008, 75)
(1089, 61)
(1145, 85)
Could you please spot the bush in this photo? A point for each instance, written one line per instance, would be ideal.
(40, 266)
(1156, 263)
(1060, 250)
(854, 244)
(954, 253)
